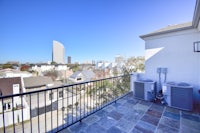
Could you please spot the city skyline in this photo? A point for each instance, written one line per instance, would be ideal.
(89, 30)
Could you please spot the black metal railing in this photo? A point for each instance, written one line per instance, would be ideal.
(54, 109)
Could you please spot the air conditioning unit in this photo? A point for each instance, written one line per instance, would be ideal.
(144, 89)
(178, 95)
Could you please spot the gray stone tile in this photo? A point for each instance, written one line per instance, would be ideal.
(125, 125)
(190, 116)
(121, 101)
(166, 129)
(91, 119)
(190, 124)
(147, 103)
(122, 109)
(109, 108)
(116, 104)
(127, 97)
(150, 119)
(157, 107)
(170, 122)
(154, 113)
(115, 115)
(66, 130)
(171, 115)
(101, 113)
(132, 101)
(95, 128)
(172, 110)
(106, 122)
(134, 115)
(141, 107)
(136, 131)
(78, 127)
(114, 130)
(187, 129)
(145, 127)
(129, 105)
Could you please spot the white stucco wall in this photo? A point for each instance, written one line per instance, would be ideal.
(174, 51)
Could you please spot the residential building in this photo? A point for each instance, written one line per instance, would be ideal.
(173, 49)
(10, 86)
(82, 76)
(37, 83)
(58, 53)
(49, 99)
(41, 69)
(13, 106)
(6, 73)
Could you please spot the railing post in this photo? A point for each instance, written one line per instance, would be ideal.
(4, 127)
(13, 112)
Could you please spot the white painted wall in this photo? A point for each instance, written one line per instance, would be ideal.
(17, 117)
(175, 52)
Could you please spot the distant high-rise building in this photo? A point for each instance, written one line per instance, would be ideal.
(58, 53)
(69, 59)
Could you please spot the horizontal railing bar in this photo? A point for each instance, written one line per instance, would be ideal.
(54, 88)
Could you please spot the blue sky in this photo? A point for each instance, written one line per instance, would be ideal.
(89, 29)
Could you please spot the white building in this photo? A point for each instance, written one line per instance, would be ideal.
(104, 65)
(15, 105)
(82, 76)
(172, 47)
(44, 68)
(58, 54)
(6, 73)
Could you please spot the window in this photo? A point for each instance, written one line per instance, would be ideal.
(60, 94)
(9, 106)
(51, 96)
(78, 79)
(197, 46)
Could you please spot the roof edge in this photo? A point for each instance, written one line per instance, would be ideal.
(168, 31)
(196, 17)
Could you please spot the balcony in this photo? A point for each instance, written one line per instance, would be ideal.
(105, 105)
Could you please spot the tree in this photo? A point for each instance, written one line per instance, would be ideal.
(115, 72)
(53, 63)
(74, 67)
(137, 63)
(52, 73)
(24, 68)
(7, 66)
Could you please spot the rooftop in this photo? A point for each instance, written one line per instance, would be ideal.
(31, 82)
(7, 85)
(170, 28)
(129, 115)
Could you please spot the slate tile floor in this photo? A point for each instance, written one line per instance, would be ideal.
(129, 115)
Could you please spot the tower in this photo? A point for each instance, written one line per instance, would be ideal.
(69, 60)
(58, 52)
